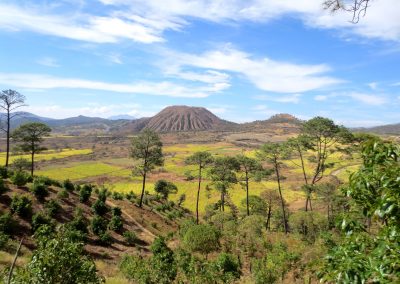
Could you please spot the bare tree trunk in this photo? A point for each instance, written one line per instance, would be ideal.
(32, 162)
(223, 200)
(14, 261)
(198, 197)
(143, 187)
(268, 226)
(280, 194)
(247, 194)
(8, 138)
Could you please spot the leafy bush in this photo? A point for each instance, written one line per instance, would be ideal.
(117, 196)
(99, 207)
(98, 225)
(68, 185)
(3, 172)
(130, 237)
(63, 194)
(22, 205)
(77, 228)
(3, 240)
(102, 195)
(52, 207)
(39, 219)
(116, 211)
(7, 224)
(3, 186)
(135, 268)
(116, 224)
(131, 196)
(228, 266)
(39, 190)
(201, 238)
(47, 181)
(84, 193)
(58, 260)
(105, 239)
(21, 164)
(164, 188)
(20, 178)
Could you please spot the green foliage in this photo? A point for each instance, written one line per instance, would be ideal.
(274, 266)
(39, 190)
(20, 164)
(136, 269)
(52, 207)
(162, 263)
(164, 188)
(58, 260)
(3, 240)
(22, 205)
(84, 193)
(68, 185)
(102, 194)
(105, 239)
(3, 186)
(98, 225)
(7, 224)
(63, 194)
(374, 191)
(77, 228)
(47, 181)
(20, 178)
(257, 205)
(39, 219)
(130, 237)
(309, 224)
(228, 266)
(116, 224)
(99, 207)
(3, 172)
(201, 238)
(117, 196)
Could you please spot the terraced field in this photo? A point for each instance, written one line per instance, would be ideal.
(116, 173)
(48, 155)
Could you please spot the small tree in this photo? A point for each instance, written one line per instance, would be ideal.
(164, 188)
(223, 174)
(30, 136)
(249, 167)
(146, 150)
(10, 101)
(201, 160)
(273, 153)
(201, 238)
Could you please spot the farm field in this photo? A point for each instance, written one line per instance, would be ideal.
(115, 172)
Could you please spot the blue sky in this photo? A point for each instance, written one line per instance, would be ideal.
(243, 60)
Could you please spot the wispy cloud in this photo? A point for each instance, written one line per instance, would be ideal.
(265, 73)
(375, 100)
(293, 98)
(164, 88)
(48, 61)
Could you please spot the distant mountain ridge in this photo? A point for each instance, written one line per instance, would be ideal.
(170, 119)
(388, 129)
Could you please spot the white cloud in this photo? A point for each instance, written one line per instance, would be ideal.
(373, 85)
(48, 61)
(145, 21)
(82, 27)
(94, 110)
(320, 98)
(293, 98)
(165, 88)
(265, 73)
(115, 58)
(368, 99)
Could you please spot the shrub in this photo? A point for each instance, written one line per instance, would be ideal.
(3, 186)
(52, 207)
(105, 239)
(102, 195)
(22, 205)
(3, 240)
(116, 211)
(135, 269)
(68, 185)
(39, 190)
(47, 181)
(116, 224)
(227, 264)
(63, 194)
(21, 164)
(99, 207)
(117, 196)
(7, 224)
(98, 225)
(39, 219)
(130, 237)
(58, 260)
(164, 188)
(3, 172)
(131, 196)
(20, 178)
(84, 193)
(201, 238)
(77, 228)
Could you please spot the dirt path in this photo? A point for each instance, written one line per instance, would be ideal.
(146, 234)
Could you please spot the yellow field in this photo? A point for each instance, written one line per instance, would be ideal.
(48, 155)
